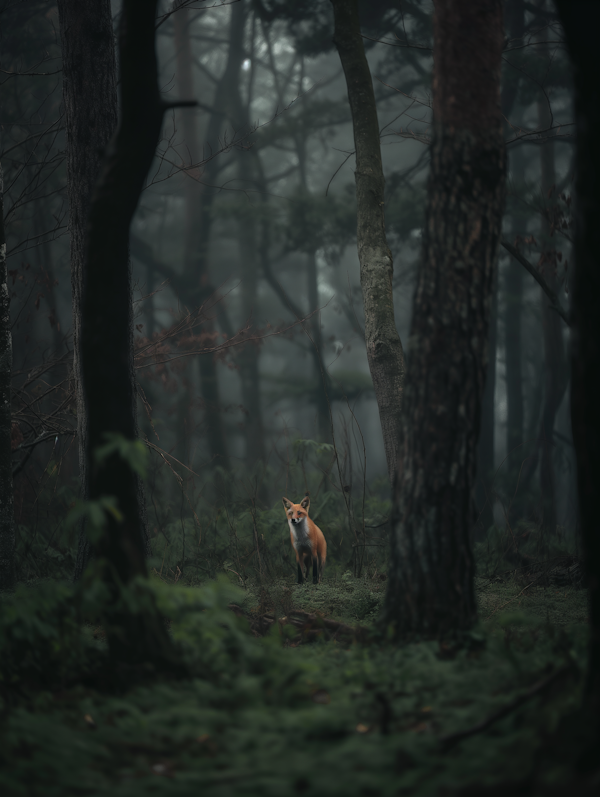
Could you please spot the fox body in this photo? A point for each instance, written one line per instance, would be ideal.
(307, 539)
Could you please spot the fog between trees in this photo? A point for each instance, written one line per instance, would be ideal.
(246, 231)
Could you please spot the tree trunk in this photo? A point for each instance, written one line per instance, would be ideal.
(90, 99)
(248, 357)
(107, 332)
(486, 448)
(513, 299)
(555, 365)
(191, 192)
(430, 584)
(581, 21)
(513, 281)
(384, 349)
(7, 519)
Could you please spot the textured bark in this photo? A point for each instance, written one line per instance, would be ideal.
(581, 21)
(107, 329)
(430, 583)
(7, 520)
(90, 100)
(384, 349)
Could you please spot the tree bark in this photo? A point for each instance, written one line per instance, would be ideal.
(430, 583)
(7, 518)
(90, 99)
(581, 21)
(384, 348)
(107, 331)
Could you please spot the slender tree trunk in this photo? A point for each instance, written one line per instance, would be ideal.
(513, 299)
(384, 349)
(197, 276)
(7, 519)
(191, 192)
(555, 365)
(107, 332)
(581, 21)
(514, 15)
(44, 259)
(430, 583)
(248, 357)
(200, 271)
(486, 448)
(90, 99)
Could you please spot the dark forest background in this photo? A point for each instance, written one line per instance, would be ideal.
(339, 249)
(249, 326)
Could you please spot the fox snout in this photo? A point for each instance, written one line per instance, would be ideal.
(296, 519)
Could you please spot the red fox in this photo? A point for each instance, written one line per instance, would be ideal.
(307, 539)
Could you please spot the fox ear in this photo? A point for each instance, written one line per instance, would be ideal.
(305, 503)
(287, 504)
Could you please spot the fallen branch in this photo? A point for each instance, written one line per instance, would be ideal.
(310, 626)
(451, 739)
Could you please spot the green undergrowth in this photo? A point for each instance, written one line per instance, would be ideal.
(258, 716)
(351, 600)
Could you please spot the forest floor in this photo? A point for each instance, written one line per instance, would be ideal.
(279, 716)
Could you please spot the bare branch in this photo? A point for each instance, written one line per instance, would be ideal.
(552, 295)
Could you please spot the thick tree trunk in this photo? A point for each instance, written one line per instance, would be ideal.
(581, 21)
(7, 519)
(384, 349)
(430, 584)
(107, 331)
(90, 99)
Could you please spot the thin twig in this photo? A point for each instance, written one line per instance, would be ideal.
(451, 739)
(551, 294)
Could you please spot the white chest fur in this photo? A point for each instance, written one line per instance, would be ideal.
(299, 532)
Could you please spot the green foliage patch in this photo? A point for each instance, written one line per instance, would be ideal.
(259, 717)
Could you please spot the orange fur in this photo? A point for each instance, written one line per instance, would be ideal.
(307, 539)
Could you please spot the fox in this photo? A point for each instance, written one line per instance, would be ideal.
(307, 539)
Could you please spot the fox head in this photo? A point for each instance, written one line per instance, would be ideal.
(296, 513)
